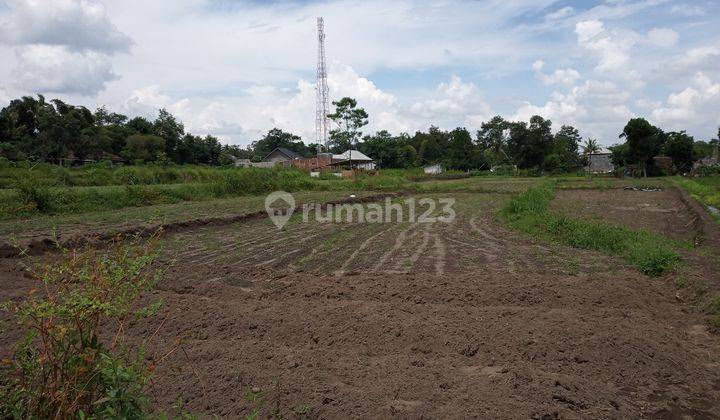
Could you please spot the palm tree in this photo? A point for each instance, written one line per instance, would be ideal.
(591, 146)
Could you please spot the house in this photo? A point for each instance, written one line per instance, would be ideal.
(328, 161)
(246, 163)
(434, 169)
(354, 159)
(281, 156)
(708, 162)
(600, 163)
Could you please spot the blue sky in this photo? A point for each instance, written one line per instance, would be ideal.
(238, 68)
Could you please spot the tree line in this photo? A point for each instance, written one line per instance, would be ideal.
(33, 129)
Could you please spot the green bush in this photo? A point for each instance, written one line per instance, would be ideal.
(34, 195)
(72, 363)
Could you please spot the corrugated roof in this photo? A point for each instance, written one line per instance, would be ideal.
(287, 152)
(352, 154)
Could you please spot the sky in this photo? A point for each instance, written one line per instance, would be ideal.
(237, 68)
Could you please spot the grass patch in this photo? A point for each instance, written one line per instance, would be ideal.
(529, 212)
(713, 309)
(705, 190)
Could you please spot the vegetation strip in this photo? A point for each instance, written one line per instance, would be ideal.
(706, 191)
(529, 212)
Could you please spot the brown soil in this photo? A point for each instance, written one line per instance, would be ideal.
(406, 320)
(662, 212)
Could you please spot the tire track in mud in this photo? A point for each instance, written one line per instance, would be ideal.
(40, 245)
(410, 262)
(213, 256)
(364, 245)
(399, 242)
(440, 255)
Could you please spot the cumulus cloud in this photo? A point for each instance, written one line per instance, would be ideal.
(694, 106)
(44, 68)
(454, 103)
(594, 106)
(76, 24)
(662, 37)
(559, 76)
(612, 47)
(61, 46)
(238, 68)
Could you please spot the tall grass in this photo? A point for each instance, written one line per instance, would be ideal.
(101, 174)
(529, 212)
(706, 190)
(32, 195)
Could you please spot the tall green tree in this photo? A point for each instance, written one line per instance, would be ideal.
(680, 147)
(382, 147)
(144, 148)
(564, 154)
(492, 138)
(349, 120)
(462, 154)
(171, 130)
(278, 138)
(644, 141)
(530, 144)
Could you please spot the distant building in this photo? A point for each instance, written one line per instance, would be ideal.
(355, 159)
(281, 155)
(327, 161)
(247, 163)
(708, 162)
(433, 169)
(600, 163)
(665, 163)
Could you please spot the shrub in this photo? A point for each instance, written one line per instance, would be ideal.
(70, 364)
(34, 195)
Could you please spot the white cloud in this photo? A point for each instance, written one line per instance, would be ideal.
(238, 68)
(559, 76)
(562, 13)
(662, 37)
(598, 108)
(453, 104)
(610, 46)
(695, 107)
(43, 68)
(61, 46)
(76, 24)
(538, 65)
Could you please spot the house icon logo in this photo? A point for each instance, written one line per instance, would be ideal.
(280, 214)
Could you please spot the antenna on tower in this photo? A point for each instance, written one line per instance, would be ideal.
(322, 125)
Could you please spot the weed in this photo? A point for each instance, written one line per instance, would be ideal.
(713, 307)
(714, 323)
(681, 282)
(68, 366)
(34, 195)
